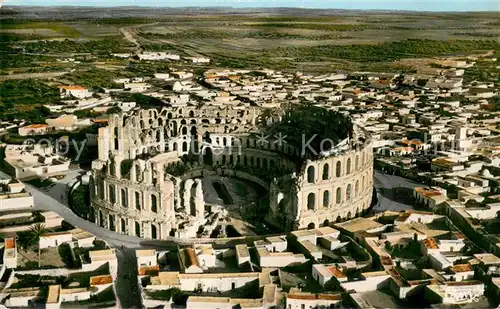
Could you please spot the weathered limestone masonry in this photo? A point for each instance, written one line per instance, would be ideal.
(330, 189)
(132, 192)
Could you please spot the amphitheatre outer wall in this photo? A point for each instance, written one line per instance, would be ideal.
(143, 200)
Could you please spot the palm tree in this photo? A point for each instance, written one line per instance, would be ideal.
(37, 231)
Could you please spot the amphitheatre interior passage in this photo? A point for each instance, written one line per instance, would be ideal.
(211, 171)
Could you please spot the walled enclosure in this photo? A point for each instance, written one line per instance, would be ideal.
(132, 191)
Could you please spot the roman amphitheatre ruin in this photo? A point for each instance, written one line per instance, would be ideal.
(220, 170)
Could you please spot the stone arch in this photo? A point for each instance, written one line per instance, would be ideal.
(251, 161)
(326, 198)
(310, 174)
(338, 194)
(101, 218)
(356, 188)
(154, 233)
(257, 161)
(111, 222)
(184, 147)
(208, 158)
(363, 184)
(338, 169)
(264, 163)
(137, 229)
(311, 201)
(116, 138)
(174, 128)
(123, 225)
(356, 163)
(154, 203)
(100, 189)
(326, 171)
(160, 121)
(191, 113)
(348, 193)
(348, 166)
(158, 136)
(112, 194)
(174, 146)
(138, 203)
(111, 167)
(311, 226)
(124, 197)
(348, 217)
(326, 222)
(339, 219)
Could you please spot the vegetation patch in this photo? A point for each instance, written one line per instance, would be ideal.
(58, 27)
(24, 99)
(71, 46)
(311, 26)
(385, 51)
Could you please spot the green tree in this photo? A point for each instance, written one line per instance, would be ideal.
(37, 231)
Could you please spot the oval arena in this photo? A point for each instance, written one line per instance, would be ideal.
(174, 171)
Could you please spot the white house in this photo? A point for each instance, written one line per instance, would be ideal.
(74, 91)
(324, 273)
(146, 257)
(54, 240)
(13, 195)
(302, 300)
(34, 129)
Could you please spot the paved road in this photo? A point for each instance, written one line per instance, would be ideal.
(393, 192)
(125, 287)
(130, 32)
(46, 202)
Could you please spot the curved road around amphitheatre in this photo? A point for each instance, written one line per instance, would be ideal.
(392, 193)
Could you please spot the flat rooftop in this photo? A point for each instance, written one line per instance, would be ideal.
(359, 224)
(145, 252)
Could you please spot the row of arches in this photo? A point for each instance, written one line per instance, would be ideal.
(121, 225)
(340, 218)
(129, 198)
(347, 195)
(326, 172)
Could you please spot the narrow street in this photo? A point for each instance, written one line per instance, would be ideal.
(126, 285)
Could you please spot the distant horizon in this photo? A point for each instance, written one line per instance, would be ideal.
(366, 5)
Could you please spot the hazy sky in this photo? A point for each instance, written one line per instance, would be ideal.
(414, 5)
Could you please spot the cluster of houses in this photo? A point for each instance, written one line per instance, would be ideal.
(28, 161)
(402, 255)
(51, 280)
(231, 273)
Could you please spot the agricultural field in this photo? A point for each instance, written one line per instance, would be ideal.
(287, 39)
